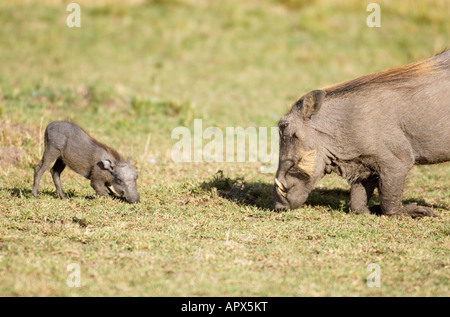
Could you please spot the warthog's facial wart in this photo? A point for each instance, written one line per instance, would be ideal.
(307, 162)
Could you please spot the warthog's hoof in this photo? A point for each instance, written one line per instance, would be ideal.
(416, 211)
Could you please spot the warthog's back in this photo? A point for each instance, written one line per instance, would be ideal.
(77, 148)
(414, 98)
(76, 144)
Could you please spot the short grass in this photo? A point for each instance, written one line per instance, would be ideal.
(130, 75)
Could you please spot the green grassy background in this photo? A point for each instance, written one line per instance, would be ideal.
(134, 72)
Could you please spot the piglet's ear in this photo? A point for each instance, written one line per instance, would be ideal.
(107, 165)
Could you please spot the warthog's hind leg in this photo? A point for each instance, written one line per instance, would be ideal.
(50, 155)
(56, 173)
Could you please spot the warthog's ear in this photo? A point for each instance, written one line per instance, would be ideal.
(128, 161)
(311, 103)
(107, 165)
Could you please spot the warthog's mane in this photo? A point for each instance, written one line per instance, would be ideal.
(114, 154)
(393, 75)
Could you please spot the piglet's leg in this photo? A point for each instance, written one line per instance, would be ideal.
(50, 155)
(99, 188)
(56, 173)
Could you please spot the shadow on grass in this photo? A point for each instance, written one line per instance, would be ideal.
(422, 202)
(240, 191)
(27, 193)
(260, 195)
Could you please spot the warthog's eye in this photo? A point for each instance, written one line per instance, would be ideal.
(118, 181)
(281, 127)
(294, 170)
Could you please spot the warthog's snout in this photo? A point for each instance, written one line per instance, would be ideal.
(122, 192)
(288, 198)
(280, 194)
(133, 200)
(129, 199)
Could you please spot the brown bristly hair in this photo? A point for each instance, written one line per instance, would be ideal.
(114, 154)
(392, 75)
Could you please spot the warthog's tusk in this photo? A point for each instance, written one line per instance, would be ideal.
(280, 188)
(279, 185)
(111, 188)
(281, 192)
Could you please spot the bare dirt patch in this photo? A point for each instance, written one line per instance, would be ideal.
(10, 155)
(15, 138)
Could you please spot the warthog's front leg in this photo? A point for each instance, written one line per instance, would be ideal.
(99, 187)
(360, 194)
(392, 184)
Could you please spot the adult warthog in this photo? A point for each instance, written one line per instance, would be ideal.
(371, 131)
